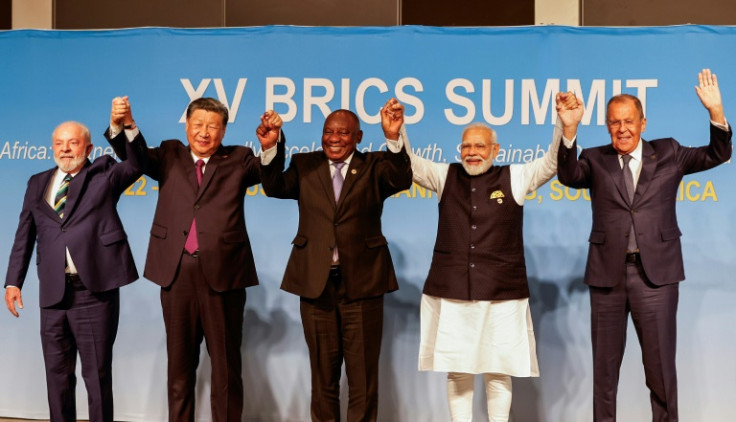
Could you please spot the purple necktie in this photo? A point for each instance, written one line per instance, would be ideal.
(337, 181)
(192, 244)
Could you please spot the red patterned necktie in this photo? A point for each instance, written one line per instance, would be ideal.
(192, 243)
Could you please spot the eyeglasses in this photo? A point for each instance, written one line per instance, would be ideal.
(616, 125)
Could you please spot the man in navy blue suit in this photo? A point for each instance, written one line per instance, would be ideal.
(83, 258)
(634, 257)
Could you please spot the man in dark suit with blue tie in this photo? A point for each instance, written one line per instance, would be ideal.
(635, 257)
(82, 259)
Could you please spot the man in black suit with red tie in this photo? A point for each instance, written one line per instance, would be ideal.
(200, 254)
(635, 258)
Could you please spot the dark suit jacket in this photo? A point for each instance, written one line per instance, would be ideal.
(91, 229)
(224, 247)
(353, 222)
(664, 162)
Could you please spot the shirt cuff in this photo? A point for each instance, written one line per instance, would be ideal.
(129, 133)
(719, 125)
(269, 154)
(568, 142)
(394, 145)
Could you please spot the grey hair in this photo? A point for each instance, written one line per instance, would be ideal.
(483, 126)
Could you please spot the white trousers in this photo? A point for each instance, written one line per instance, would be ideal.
(460, 396)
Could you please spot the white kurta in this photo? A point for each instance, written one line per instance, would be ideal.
(476, 337)
(481, 336)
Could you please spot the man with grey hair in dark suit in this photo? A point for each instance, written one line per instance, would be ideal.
(634, 257)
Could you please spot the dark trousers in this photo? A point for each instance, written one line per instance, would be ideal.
(336, 329)
(87, 323)
(653, 310)
(193, 311)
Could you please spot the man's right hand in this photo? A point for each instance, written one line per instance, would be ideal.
(12, 295)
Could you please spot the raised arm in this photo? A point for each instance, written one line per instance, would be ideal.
(570, 171)
(426, 173)
(710, 95)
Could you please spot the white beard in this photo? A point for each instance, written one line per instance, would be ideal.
(476, 170)
(69, 166)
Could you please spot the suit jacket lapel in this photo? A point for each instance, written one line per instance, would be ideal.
(323, 174)
(76, 186)
(648, 165)
(210, 169)
(353, 174)
(613, 165)
(45, 183)
(189, 168)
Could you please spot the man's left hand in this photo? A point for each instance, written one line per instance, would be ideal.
(392, 117)
(710, 95)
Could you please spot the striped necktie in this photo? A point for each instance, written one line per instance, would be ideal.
(60, 199)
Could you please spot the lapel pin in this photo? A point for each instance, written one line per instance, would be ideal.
(353, 171)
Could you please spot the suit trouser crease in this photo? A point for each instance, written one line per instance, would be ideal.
(84, 323)
(653, 311)
(336, 329)
(193, 312)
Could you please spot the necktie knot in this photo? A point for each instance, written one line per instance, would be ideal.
(626, 159)
(338, 166)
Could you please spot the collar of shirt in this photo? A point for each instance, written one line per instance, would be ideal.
(635, 154)
(344, 169)
(195, 158)
(635, 163)
(55, 183)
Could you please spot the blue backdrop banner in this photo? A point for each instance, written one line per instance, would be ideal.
(447, 78)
